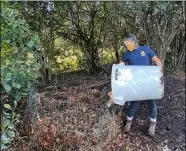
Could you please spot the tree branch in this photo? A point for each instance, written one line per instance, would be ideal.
(159, 30)
(165, 28)
(171, 37)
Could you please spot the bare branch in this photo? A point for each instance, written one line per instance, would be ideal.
(165, 28)
(183, 10)
(171, 37)
(159, 30)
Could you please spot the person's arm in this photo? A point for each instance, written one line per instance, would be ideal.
(157, 61)
(124, 58)
(153, 56)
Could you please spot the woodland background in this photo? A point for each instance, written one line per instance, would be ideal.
(60, 52)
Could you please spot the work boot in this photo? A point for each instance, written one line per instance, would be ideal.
(152, 128)
(128, 125)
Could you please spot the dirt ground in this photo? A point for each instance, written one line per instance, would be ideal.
(73, 117)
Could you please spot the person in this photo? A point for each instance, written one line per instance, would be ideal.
(140, 55)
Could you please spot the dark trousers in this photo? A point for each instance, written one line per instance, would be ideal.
(151, 105)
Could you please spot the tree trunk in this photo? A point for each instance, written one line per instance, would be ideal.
(116, 51)
(162, 50)
(117, 55)
(93, 63)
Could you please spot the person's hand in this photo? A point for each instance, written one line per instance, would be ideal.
(121, 62)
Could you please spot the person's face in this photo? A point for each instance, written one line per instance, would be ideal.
(130, 44)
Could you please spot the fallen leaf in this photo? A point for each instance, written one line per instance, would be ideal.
(166, 141)
(84, 108)
(57, 140)
(52, 130)
(120, 144)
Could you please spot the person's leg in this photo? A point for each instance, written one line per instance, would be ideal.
(153, 115)
(130, 114)
(132, 110)
(152, 110)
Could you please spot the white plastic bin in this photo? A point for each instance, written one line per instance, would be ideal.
(135, 83)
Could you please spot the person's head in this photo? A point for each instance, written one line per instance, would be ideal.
(131, 42)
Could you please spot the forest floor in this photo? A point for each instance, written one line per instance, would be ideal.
(74, 117)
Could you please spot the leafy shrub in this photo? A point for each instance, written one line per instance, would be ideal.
(19, 67)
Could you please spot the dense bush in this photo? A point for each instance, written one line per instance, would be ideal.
(18, 67)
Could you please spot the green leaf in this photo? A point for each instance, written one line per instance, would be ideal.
(13, 84)
(36, 37)
(10, 126)
(15, 103)
(22, 21)
(6, 113)
(14, 114)
(4, 138)
(8, 76)
(6, 86)
(3, 147)
(29, 85)
(16, 85)
(15, 25)
(6, 122)
(17, 97)
(7, 106)
(9, 117)
(11, 133)
(24, 93)
(7, 41)
(30, 44)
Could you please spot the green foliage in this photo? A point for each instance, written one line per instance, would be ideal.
(19, 67)
(92, 26)
(69, 57)
(8, 118)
